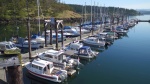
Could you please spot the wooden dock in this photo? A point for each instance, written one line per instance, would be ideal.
(143, 21)
(71, 72)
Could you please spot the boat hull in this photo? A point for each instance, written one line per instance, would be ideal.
(93, 43)
(46, 77)
(85, 57)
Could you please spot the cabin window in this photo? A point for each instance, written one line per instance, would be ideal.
(48, 66)
(34, 66)
(49, 56)
(51, 65)
(83, 51)
(59, 57)
(40, 68)
(45, 69)
(11, 46)
(89, 50)
(7, 46)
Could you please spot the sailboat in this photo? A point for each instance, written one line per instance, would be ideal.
(40, 40)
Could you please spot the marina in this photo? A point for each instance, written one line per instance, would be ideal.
(73, 44)
(35, 53)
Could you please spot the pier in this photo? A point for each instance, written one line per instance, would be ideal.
(143, 21)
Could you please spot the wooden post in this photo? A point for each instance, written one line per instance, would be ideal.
(105, 19)
(122, 19)
(112, 19)
(62, 36)
(51, 35)
(56, 30)
(14, 75)
(80, 29)
(45, 34)
(117, 20)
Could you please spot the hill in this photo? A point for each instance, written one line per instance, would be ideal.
(144, 11)
(10, 10)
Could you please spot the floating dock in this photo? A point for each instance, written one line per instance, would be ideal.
(71, 72)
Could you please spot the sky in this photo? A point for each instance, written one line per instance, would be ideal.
(130, 4)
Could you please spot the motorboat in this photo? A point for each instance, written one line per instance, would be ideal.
(121, 31)
(7, 47)
(25, 44)
(53, 36)
(73, 47)
(106, 36)
(83, 31)
(59, 58)
(67, 33)
(72, 30)
(40, 40)
(77, 48)
(86, 52)
(45, 70)
(94, 41)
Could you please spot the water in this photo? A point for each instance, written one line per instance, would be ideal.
(126, 61)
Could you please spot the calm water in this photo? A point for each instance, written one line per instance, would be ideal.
(126, 61)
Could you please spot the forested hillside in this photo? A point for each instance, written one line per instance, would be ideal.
(11, 9)
(17, 9)
(109, 10)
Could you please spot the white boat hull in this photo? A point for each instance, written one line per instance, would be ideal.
(26, 46)
(93, 43)
(47, 77)
(87, 57)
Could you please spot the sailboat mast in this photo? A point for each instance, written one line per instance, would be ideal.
(97, 10)
(91, 11)
(85, 13)
(38, 4)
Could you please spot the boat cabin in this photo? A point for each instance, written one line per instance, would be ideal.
(42, 66)
(85, 50)
(4, 46)
(75, 46)
(54, 56)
